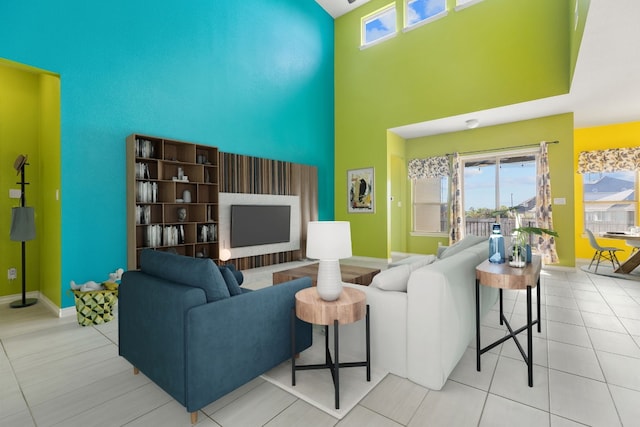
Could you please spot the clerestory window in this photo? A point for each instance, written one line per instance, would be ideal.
(378, 26)
(417, 12)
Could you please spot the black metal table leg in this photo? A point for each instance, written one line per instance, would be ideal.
(538, 294)
(478, 324)
(501, 306)
(368, 332)
(293, 346)
(530, 336)
(327, 354)
(336, 367)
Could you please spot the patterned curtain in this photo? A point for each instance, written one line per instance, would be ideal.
(456, 211)
(544, 219)
(612, 160)
(431, 167)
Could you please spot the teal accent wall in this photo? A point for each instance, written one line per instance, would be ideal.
(252, 77)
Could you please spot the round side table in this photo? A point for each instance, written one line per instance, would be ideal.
(502, 276)
(350, 307)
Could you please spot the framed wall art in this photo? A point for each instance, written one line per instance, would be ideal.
(360, 191)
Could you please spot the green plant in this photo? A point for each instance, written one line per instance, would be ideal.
(520, 236)
(519, 229)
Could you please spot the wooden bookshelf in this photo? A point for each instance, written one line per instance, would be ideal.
(160, 173)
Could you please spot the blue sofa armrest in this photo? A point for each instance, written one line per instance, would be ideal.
(151, 325)
(232, 341)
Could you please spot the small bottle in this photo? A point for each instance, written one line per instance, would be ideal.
(496, 245)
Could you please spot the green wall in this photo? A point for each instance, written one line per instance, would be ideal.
(49, 168)
(399, 191)
(30, 117)
(494, 53)
(552, 128)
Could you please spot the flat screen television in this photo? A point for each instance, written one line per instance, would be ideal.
(253, 225)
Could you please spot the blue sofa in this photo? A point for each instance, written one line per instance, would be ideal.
(199, 336)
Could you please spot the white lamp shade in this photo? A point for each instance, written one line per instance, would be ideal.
(328, 240)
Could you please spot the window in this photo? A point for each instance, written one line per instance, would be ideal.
(609, 200)
(420, 11)
(430, 205)
(495, 182)
(379, 25)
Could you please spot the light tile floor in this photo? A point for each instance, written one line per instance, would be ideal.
(587, 372)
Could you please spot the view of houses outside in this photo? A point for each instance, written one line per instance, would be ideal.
(609, 201)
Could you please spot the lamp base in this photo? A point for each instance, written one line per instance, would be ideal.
(20, 304)
(329, 280)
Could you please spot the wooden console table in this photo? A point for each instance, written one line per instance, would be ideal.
(348, 308)
(350, 274)
(502, 276)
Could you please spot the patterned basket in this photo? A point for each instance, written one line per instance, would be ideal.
(94, 307)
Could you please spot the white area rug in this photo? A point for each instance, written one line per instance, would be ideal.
(316, 386)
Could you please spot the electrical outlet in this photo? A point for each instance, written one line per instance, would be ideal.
(12, 273)
(15, 193)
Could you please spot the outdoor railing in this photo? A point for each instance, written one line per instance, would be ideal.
(483, 227)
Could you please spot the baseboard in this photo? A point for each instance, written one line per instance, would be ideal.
(60, 312)
(10, 298)
(43, 300)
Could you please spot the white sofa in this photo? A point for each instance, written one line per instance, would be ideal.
(422, 333)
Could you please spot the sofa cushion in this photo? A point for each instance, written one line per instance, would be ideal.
(425, 260)
(392, 279)
(237, 273)
(231, 281)
(463, 244)
(196, 272)
(414, 261)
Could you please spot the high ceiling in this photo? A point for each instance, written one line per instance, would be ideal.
(605, 87)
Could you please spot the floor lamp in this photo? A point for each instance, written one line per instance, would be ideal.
(22, 229)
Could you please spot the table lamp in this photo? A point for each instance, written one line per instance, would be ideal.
(329, 241)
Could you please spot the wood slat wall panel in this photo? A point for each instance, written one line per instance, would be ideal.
(254, 175)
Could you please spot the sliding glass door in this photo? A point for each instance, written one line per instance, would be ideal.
(493, 182)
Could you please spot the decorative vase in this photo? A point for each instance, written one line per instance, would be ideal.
(182, 214)
(519, 257)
